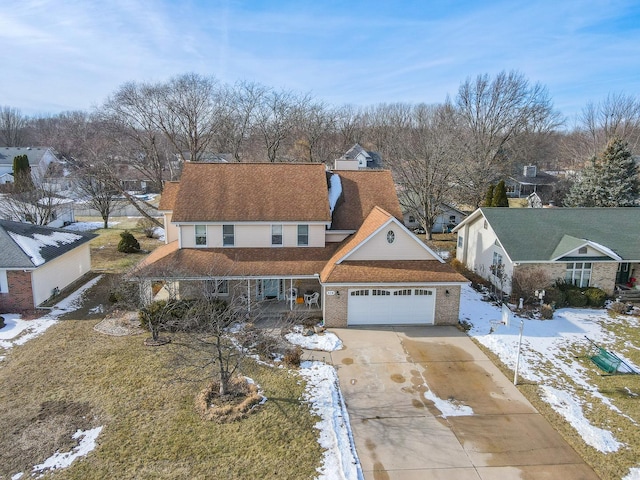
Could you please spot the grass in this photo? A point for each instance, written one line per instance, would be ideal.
(73, 377)
(622, 390)
(104, 248)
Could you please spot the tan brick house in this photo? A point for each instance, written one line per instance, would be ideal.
(589, 247)
(303, 237)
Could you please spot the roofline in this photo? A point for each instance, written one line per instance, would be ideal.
(384, 225)
(409, 284)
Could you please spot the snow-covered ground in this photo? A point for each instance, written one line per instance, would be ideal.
(327, 341)
(546, 359)
(88, 226)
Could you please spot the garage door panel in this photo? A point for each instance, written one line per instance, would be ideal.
(391, 306)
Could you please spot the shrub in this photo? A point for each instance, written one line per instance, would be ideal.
(576, 298)
(1, 322)
(128, 243)
(618, 308)
(148, 227)
(293, 356)
(546, 311)
(525, 282)
(556, 297)
(595, 297)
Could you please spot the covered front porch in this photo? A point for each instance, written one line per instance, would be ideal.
(270, 295)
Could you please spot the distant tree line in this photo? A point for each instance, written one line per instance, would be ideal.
(439, 153)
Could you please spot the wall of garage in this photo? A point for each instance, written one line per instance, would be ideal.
(446, 313)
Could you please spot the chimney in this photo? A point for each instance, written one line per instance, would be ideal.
(530, 171)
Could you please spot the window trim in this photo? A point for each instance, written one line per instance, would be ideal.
(576, 275)
(275, 235)
(301, 235)
(199, 237)
(228, 239)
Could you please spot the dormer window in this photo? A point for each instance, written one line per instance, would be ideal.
(582, 251)
(303, 235)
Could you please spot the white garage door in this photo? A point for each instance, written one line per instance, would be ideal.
(380, 306)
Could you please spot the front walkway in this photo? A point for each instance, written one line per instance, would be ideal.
(426, 403)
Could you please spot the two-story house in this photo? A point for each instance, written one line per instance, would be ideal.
(289, 233)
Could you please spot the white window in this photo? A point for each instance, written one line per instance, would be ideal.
(421, 291)
(4, 284)
(380, 293)
(216, 288)
(276, 234)
(497, 267)
(228, 236)
(403, 292)
(360, 293)
(201, 235)
(578, 273)
(303, 235)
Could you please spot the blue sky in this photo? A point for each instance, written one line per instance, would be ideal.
(62, 55)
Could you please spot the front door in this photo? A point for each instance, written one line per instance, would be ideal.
(622, 276)
(269, 288)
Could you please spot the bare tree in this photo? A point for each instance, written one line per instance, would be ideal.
(618, 115)
(491, 113)
(276, 119)
(12, 127)
(95, 183)
(350, 126)
(421, 162)
(315, 126)
(38, 205)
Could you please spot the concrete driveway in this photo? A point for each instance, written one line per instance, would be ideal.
(387, 375)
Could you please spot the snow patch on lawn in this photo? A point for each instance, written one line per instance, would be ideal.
(18, 331)
(546, 351)
(63, 460)
(327, 342)
(88, 226)
(323, 393)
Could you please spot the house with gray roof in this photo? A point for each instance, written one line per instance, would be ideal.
(598, 247)
(357, 158)
(531, 181)
(37, 262)
(39, 158)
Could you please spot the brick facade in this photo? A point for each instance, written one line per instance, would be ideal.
(603, 274)
(20, 296)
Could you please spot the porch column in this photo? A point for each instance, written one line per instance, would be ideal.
(249, 295)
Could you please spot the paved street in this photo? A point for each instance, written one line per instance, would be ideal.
(399, 434)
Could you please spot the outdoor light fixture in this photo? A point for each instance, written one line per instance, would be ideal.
(446, 293)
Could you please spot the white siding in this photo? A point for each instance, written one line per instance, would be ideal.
(60, 272)
(4, 285)
(404, 247)
(170, 229)
(248, 235)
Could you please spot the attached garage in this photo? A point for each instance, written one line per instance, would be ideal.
(391, 306)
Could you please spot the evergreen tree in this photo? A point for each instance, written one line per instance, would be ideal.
(22, 174)
(500, 195)
(611, 180)
(488, 197)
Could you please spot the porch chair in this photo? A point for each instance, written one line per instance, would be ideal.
(291, 294)
(312, 299)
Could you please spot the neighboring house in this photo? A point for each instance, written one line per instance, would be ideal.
(50, 210)
(444, 223)
(531, 181)
(357, 158)
(284, 232)
(596, 247)
(37, 262)
(39, 159)
(6, 178)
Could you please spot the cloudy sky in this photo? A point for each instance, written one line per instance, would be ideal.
(59, 55)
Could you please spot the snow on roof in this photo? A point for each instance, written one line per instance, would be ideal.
(31, 246)
(605, 250)
(335, 190)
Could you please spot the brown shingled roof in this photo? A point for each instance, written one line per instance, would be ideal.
(168, 197)
(393, 271)
(374, 220)
(170, 261)
(252, 192)
(361, 191)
